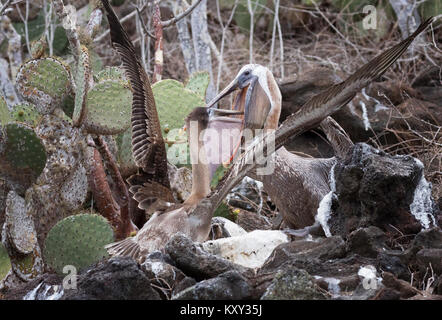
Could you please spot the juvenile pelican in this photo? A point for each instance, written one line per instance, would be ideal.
(157, 231)
(151, 186)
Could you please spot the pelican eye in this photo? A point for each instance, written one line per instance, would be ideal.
(247, 73)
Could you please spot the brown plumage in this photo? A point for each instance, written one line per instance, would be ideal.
(163, 224)
(194, 215)
(308, 117)
(150, 186)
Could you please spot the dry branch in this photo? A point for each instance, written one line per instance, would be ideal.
(71, 32)
(159, 56)
(201, 44)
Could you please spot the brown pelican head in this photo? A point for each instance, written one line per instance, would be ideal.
(258, 97)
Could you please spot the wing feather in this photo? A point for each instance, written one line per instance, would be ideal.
(145, 122)
(308, 117)
(149, 151)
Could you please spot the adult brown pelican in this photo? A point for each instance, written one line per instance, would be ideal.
(259, 97)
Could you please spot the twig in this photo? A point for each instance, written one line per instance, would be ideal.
(25, 22)
(49, 26)
(223, 39)
(272, 45)
(122, 20)
(182, 15)
(185, 42)
(252, 25)
(143, 25)
(281, 42)
(165, 24)
(159, 57)
(5, 6)
(338, 32)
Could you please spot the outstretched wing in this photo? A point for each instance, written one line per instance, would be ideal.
(335, 97)
(308, 117)
(148, 146)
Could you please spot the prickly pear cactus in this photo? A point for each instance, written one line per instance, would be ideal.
(110, 73)
(198, 83)
(26, 113)
(44, 82)
(174, 102)
(19, 225)
(48, 200)
(77, 240)
(5, 116)
(20, 237)
(124, 154)
(82, 82)
(24, 150)
(109, 105)
(5, 262)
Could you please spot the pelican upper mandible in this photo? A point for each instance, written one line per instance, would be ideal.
(259, 97)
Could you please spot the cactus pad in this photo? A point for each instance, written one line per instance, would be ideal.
(5, 117)
(174, 103)
(82, 80)
(26, 113)
(44, 82)
(19, 225)
(74, 190)
(124, 154)
(77, 240)
(198, 83)
(109, 106)
(24, 149)
(110, 73)
(5, 263)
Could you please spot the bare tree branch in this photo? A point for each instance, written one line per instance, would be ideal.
(122, 20)
(223, 39)
(185, 41)
(49, 26)
(159, 56)
(182, 15)
(201, 44)
(25, 23)
(5, 6)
